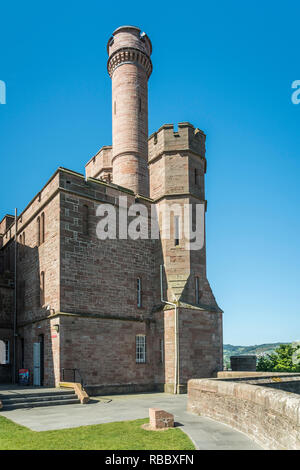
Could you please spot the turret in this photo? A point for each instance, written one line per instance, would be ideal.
(129, 66)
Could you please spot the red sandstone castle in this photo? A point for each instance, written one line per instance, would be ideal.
(73, 304)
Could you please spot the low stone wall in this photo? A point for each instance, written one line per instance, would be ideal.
(287, 381)
(269, 416)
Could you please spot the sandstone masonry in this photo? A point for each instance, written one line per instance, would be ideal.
(93, 307)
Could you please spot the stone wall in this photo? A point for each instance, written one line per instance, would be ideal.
(104, 350)
(6, 324)
(100, 276)
(270, 417)
(91, 285)
(290, 382)
(32, 333)
(5, 373)
(100, 165)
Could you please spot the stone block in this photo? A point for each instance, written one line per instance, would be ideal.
(160, 419)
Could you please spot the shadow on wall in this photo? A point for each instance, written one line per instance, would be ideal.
(34, 339)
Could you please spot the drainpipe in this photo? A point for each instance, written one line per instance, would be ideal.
(176, 342)
(15, 302)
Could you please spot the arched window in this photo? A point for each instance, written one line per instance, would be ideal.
(42, 288)
(85, 219)
(139, 291)
(176, 230)
(162, 350)
(197, 177)
(197, 290)
(42, 237)
(21, 296)
(38, 231)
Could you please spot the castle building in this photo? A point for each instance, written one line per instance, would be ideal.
(124, 313)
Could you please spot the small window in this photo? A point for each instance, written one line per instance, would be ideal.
(115, 107)
(140, 348)
(21, 248)
(38, 231)
(197, 290)
(139, 291)
(42, 237)
(7, 352)
(42, 288)
(176, 229)
(21, 295)
(85, 219)
(197, 177)
(140, 105)
(22, 353)
(161, 350)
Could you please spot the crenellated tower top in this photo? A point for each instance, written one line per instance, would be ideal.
(128, 44)
(167, 140)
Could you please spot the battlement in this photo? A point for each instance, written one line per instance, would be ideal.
(167, 140)
(129, 45)
(129, 36)
(6, 223)
(100, 165)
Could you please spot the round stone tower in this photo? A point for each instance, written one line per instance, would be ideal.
(129, 66)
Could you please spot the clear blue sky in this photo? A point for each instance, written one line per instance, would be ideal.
(227, 67)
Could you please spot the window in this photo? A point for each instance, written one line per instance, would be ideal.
(22, 353)
(140, 349)
(21, 249)
(176, 229)
(42, 289)
(85, 219)
(161, 350)
(4, 351)
(38, 231)
(197, 177)
(115, 107)
(21, 296)
(42, 237)
(139, 291)
(197, 291)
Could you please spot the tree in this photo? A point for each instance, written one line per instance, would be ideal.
(280, 360)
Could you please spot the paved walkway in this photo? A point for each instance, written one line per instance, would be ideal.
(206, 434)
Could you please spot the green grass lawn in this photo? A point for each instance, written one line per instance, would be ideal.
(125, 435)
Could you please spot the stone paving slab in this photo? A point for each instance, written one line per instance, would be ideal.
(204, 432)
